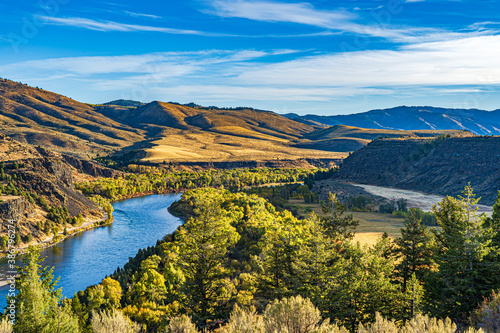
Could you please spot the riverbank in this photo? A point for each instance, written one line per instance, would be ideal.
(87, 257)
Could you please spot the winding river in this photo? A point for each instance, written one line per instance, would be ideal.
(86, 258)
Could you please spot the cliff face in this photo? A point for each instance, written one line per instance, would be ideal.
(28, 173)
(16, 208)
(442, 168)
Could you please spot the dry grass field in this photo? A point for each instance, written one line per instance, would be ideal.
(371, 224)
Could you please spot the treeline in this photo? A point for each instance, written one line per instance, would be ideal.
(399, 208)
(147, 179)
(235, 251)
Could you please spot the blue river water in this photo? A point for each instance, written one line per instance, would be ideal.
(86, 258)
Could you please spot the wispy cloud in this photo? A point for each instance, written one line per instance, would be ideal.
(340, 20)
(142, 15)
(116, 26)
(106, 26)
(302, 13)
(426, 69)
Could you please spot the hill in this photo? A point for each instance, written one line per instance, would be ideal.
(439, 166)
(35, 185)
(50, 120)
(414, 118)
(170, 132)
(349, 138)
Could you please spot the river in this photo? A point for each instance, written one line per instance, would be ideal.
(420, 200)
(86, 258)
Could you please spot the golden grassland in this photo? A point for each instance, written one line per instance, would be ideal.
(371, 226)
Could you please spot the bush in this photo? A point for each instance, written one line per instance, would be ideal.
(419, 324)
(5, 326)
(111, 322)
(487, 315)
(244, 321)
(296, 315)
(381, 325)
(181, 324)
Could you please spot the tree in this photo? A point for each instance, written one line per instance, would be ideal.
(468, 270)
(414, 249)
(37, 303)
(338, 226)
(363, 287)
(317, 263)
(494, 222)
(203, 243)
(280, 246)
(149, 285)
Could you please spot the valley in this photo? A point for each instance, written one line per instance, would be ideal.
(262, 196)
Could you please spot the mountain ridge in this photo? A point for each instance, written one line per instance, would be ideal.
(477, 121)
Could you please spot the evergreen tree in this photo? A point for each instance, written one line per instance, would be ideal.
(203, 243)
(280, 246)
(338, 226)
(317, 264)
(363, 287)
(468, 270)
(37, 303)
(414, 250)
(494, 223)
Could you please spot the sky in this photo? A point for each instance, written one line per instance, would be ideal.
(307, 57)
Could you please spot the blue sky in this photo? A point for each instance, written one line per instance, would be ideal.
(323, 57)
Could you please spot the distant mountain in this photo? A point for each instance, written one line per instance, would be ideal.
(125, 102)
(414, 118)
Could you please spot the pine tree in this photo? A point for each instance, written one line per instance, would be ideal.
(414, 250)
(317, 263)
(338, 226)
(203, 243)
(467, 270)
(280, 246)
(363, 287)
(494, 223)
(37, 303)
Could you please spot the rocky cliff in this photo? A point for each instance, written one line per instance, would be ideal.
(37, 189)
(441, 166)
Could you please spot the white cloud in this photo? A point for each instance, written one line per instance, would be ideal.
(302, 13)
(142, 15)
(115, 26)
(462, 66)
(305, 13)
(469, 61)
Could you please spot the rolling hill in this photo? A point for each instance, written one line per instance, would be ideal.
(414, 118)
(170, 132)
(50, 120)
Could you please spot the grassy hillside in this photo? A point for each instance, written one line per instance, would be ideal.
(169, 132)
(43, 118)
